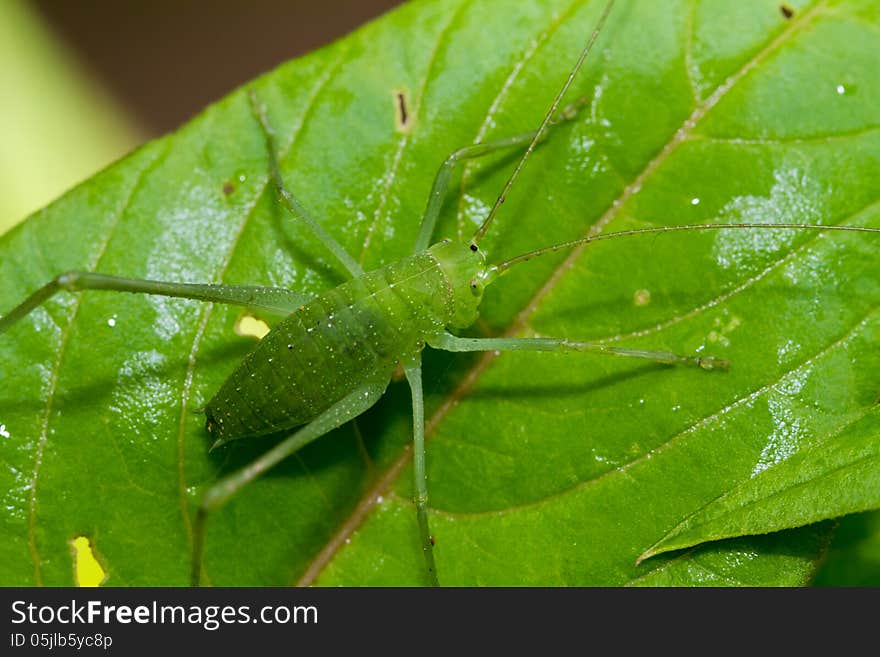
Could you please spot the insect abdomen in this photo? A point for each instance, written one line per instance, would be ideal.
(354, 333)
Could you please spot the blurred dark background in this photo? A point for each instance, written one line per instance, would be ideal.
(165, 60)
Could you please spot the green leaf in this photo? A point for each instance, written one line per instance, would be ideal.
(838, 476)
(544, 469)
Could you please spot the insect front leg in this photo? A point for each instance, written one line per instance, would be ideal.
(348, 408)
(413, 370)
(441, 180)
(449, 342)
(274, 300)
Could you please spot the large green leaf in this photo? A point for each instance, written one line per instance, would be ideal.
(544, 469)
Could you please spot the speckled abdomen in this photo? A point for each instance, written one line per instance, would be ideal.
(353, 334)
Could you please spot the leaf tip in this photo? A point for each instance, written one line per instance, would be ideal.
(647, 554)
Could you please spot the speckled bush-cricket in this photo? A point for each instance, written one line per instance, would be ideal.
(332, 357)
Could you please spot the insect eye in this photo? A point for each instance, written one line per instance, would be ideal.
(474, 248)
(476, 286)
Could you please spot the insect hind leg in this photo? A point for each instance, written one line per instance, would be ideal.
(275, 300)
(348, 408)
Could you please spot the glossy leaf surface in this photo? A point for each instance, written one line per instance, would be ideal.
(544, 469)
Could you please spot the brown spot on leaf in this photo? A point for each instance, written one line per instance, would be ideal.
(402, 117)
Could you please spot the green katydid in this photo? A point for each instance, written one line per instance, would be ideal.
(332, 357)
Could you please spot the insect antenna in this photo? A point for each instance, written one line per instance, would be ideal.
(548, 118)
(496, 270)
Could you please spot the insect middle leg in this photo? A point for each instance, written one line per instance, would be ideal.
(449, 342)
(413, 370)
(441, 180)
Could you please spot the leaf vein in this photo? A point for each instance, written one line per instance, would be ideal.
(66, 332)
